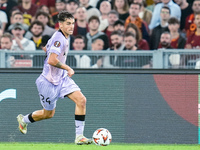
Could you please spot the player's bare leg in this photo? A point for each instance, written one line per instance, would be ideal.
(80, 111)
(35, 116)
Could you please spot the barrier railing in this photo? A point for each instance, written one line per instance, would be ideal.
(157, 59)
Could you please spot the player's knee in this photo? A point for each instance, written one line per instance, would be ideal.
(82, 102)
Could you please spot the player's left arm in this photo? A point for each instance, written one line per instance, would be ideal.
(53, 60)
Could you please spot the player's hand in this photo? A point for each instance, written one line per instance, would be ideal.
(70, 72)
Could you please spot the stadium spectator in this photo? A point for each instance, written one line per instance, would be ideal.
(112, 18)
(81, 25)
(71, 6)
(152, 6)
(131, 61)
(91, 10)
(49, 3)
(44, 18)
(141, 44)
(135, 19)
(96, 61)
(116, 45)
(45, 9)
(144, 14)
(60, 5)
(28, 9)
(105, 8)
(119, 26)
(17, 18)
(79, 61)
(186, 9)
(7, 6)
(93, 33)
(162, 27)
(190, 26)
(6, 43)
(165, 41)
(122, 7)
(37, 28)
(3, 20)
(177, 40)
(193, 39)
(86, 4)
(174, 9)
(19, 42)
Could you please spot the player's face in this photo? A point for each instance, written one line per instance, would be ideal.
(129, 42)
(6, 43)
(67, 26)
(78, 44)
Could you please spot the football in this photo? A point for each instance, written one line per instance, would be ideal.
(102, 137)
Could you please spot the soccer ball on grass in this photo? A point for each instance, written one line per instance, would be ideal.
(102, 137)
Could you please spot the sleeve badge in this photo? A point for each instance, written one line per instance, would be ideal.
(57, 44)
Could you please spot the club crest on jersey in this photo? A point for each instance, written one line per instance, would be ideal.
(57, 44)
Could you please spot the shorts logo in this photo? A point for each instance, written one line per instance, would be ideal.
(57, 44)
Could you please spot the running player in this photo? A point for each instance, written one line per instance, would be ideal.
(55, 81)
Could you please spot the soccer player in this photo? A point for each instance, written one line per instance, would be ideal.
(55, 81)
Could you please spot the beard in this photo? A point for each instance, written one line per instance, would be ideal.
(37, 35)
(165, 44)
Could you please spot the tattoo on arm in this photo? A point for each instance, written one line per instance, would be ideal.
(58, 65)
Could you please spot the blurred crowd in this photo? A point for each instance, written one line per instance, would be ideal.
(109, 25)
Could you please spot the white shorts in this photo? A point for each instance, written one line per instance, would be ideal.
(50, 93)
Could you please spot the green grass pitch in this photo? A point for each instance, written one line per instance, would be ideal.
(112, 146)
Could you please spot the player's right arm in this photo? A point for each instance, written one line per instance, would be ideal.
(53, 60)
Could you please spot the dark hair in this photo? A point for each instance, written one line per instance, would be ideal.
(93, 18)
(18, 13)
(133, 3)
(121, 22)
(127, 34)
(116, 33)
(138, 35)
(173, 20)
(166, 7)
(39, 13)
(7, 35)
(79, 37)
(39, 23)
(63, 15)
